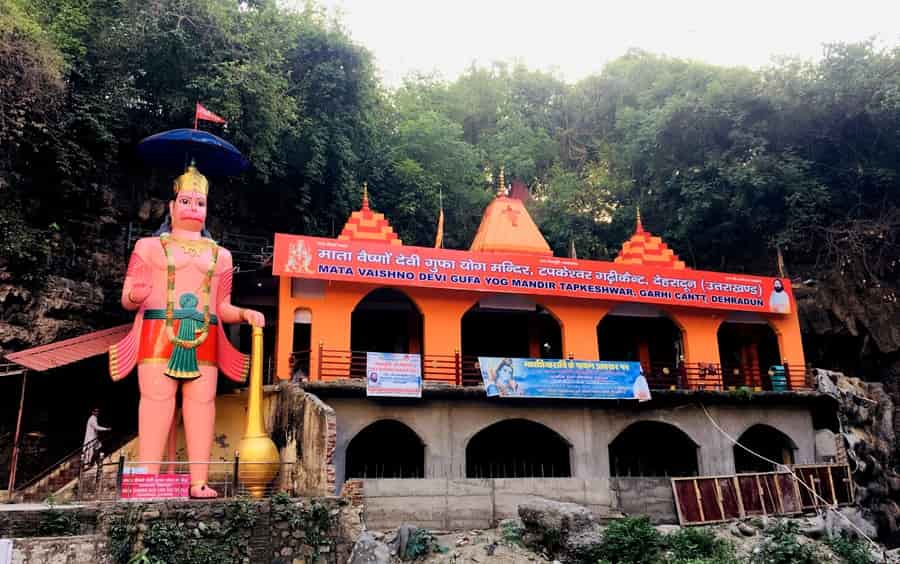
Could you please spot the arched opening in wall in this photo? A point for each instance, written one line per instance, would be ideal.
(767, 441)
(507, 326)
(386, 449)
(748, 348)
(652, 449)
(386, 320)
(301, 347)
(646, 334)
(518, 448)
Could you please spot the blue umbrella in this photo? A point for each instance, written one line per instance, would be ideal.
(176, 148)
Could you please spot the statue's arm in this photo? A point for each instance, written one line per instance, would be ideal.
(228, 312)
(138, 278)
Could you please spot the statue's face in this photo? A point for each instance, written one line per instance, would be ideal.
(188, 211)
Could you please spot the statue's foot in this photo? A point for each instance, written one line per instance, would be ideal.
(203, 491)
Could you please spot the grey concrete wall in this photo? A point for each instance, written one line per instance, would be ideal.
(446, 426)
(472, 503)
(59, 550)
(646, 496)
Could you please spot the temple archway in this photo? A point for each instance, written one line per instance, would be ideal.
(518, 448)
(652, 449)
(386, 449)
(386, 320)
(646, 334)
(504, 326)
(748, 347)
(767, 441)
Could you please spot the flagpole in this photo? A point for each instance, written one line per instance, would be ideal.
(195, 113)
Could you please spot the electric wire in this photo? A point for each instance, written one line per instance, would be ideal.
(828, 505)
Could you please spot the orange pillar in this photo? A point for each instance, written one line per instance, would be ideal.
(579, 327)
(284, 329)
(442, 325)
(699, 333)
(790, 344)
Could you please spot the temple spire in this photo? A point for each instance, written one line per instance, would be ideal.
(365, 198)
(501, 185)
(639, 227)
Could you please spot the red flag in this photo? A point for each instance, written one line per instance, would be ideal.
(205, 115)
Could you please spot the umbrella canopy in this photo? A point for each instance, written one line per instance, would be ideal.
(175, 149)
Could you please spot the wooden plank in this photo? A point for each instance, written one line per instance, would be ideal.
(834, 500)
(719, 498)
(762, 496)
(681, 520)
(740, 499)
(699, 500)
(778, 492)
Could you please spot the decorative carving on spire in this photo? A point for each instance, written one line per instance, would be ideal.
(639, 227)
(365, 198)
(501, 185)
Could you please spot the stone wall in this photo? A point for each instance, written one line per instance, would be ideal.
(471, 503)
(282, 530)
(315, 471)
(59, 550)
(17, 522)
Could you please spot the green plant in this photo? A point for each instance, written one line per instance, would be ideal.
(632, 540)
(780, 546)
(58, 523)
(695, 545)
(314, 519)
(851, 550)
(511, 531)
(421, 544)
(140, 558)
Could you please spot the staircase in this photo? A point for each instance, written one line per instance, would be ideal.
(60, 478)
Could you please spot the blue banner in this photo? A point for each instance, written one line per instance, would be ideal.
(565, 379)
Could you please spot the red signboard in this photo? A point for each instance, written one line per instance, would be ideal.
(155, 486)
(377, 263)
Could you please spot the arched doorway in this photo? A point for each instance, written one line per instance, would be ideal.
(767, 441)
(748, 348)
(518, 448)
(507, 326)
(386, 320)
(645, 334)
(386, 449)
(527, 332)
(652, 449)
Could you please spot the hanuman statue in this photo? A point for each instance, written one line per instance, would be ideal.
(179, 282)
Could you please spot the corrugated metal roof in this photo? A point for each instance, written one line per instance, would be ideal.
(61, 353)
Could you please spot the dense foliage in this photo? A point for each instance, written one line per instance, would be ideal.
(731, 166)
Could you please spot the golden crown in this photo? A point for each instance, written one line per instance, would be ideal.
(192, 181)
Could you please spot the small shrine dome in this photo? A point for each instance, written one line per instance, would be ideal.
(507, 227)
(645, 248)
(367, 225)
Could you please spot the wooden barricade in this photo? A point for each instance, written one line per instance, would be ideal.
(714, 499)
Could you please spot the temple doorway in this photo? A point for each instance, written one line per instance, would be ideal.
(386, 320)
(652, 449)
(302, 344)
(386, 449)
(518, 448)
(645, 334)
(767, 441)
(529, 331)
(748, 347)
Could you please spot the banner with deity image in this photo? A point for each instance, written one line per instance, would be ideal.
(563, 378)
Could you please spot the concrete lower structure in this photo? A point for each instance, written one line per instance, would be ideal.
(446, 422)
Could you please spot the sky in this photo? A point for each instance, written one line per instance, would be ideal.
(575, 38)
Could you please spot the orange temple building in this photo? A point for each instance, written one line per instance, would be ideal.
(328, 321)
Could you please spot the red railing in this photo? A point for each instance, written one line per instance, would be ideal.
(464, 371)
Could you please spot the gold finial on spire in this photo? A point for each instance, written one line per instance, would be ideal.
(639, 227)
(365, 199)
(501, 185)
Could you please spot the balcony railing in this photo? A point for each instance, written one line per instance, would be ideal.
(463, 370)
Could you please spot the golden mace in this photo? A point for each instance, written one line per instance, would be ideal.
(259, 461)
